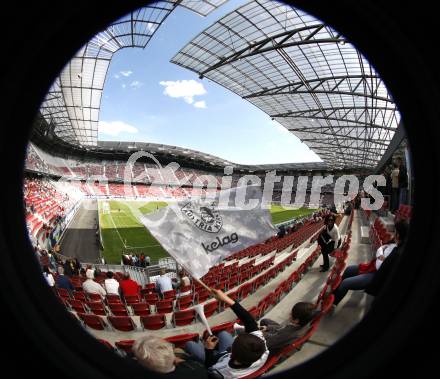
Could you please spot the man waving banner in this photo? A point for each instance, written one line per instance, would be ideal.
(200, 233)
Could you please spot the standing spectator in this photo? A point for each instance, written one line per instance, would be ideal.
(387, 189)
(163, 283)
(395, 188)
(111, 285)
(403, 182)
(90, 286)
(147, 260)
(63, 281)
(128, 286)
(328, 240)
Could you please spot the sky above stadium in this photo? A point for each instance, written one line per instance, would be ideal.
(148, 99)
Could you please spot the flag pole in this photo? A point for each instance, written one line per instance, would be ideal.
(202, 284)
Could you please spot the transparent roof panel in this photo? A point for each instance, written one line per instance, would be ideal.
(74, 100)
(302, 73)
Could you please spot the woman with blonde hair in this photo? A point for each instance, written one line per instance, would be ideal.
(156, 354)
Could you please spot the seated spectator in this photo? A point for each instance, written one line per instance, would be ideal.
(247, 354)
(182, 281)
(48, 276)
(128, 286)
(69, 267)
(163, 283)
(63, 281)
(77, 266)
(280, 335)
(371, 276)
(90, 286)
(157, 355)
(111, 285)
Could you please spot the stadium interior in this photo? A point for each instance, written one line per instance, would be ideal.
(83, 196)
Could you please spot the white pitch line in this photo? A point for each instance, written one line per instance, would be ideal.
(117, 231)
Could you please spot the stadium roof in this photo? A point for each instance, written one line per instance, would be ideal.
(302, 73)
(73, 102)
(180, 152)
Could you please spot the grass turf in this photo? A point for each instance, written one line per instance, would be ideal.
(280, 214)
(121, 230)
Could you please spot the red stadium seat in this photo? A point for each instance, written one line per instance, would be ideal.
(93, 321)
(94, 297)
(151, 298)
(97, 307)
(118, 309)
(184, 302)
(122, 323)
(77, 305)
(113, 299)
(164, 306)
(202, 295)
(141, 309)
(62, 292)
(79, 296)
(125, 345)
(131, 299)
(185, 317)
(210, 308)
(106, 344)
(171, 294)
(153, 322)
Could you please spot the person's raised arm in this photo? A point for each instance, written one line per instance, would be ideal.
(245, 317)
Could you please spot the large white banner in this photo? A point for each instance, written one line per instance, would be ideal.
(200, 233)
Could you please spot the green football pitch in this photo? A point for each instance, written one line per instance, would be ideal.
(122, 232)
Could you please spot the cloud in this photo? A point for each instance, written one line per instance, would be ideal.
(114, 128)
(124, 85)
(186, 89)
(136, 84)
(126, 73)
(116, 76)
(151, 27)
(200, 104)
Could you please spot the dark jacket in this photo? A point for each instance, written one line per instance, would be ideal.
(189, 369)
(62, 281)
(279, 336)
(403, 177)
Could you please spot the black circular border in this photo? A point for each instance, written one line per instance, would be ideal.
(398, 40)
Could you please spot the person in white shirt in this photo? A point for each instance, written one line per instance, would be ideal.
(230, 358)
(90, 286)
(48, 276)
(328, 240)
(383, 252)
(163, 283)
(111, 285)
